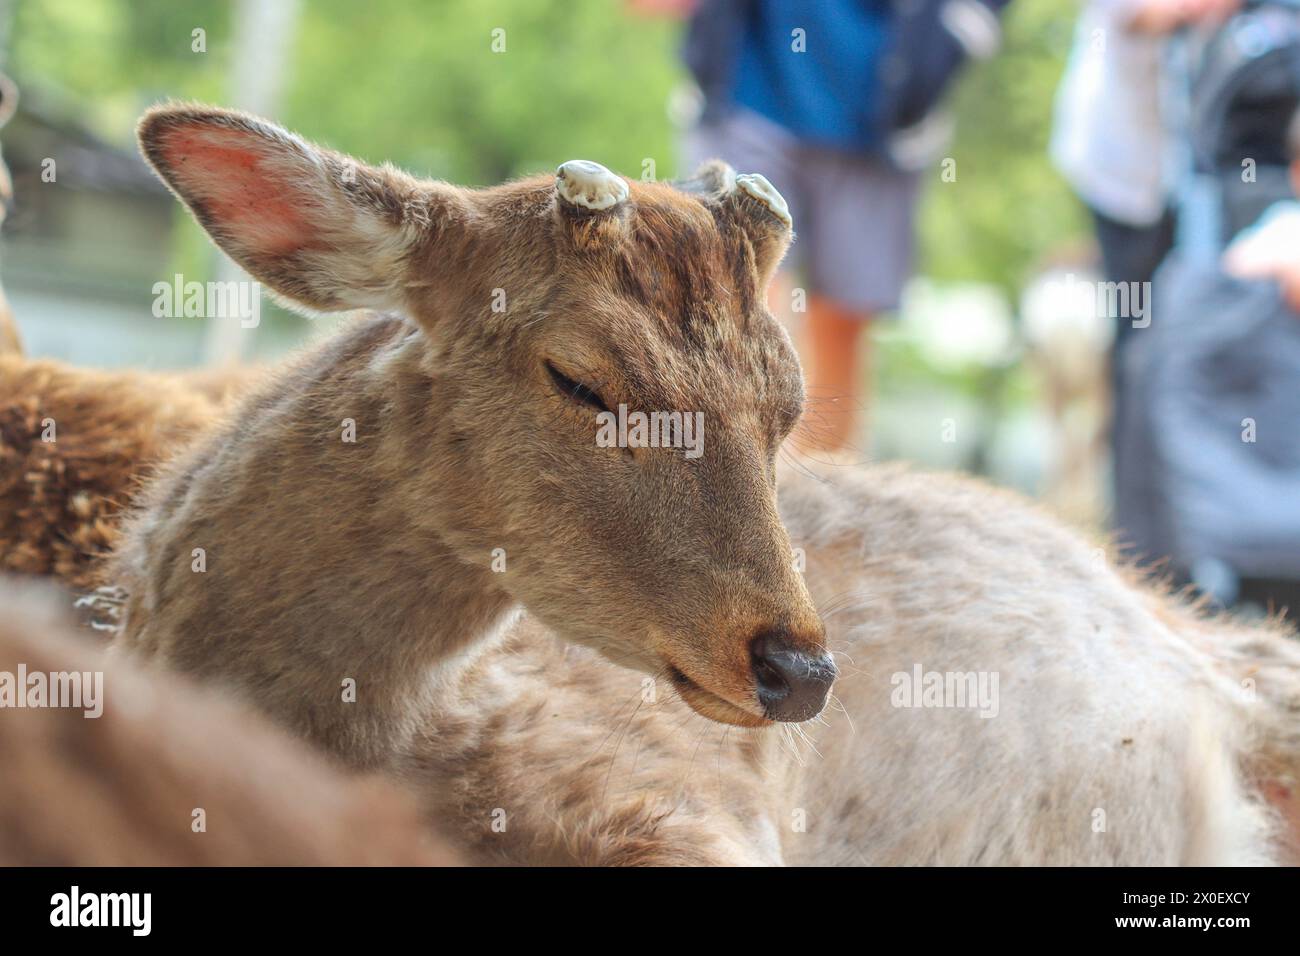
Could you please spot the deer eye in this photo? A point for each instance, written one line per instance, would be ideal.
(574, 390)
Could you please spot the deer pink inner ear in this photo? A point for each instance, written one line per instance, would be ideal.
(248, 192)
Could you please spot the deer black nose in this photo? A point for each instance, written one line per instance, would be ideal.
(792, 683)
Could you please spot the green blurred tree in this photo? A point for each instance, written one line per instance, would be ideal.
(428, 86)
(1008, 207)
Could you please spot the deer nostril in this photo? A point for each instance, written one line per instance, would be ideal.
(771, 684)
(791, 683)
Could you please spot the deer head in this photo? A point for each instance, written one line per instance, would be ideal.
(552, 312)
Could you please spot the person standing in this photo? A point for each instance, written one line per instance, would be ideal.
(1111, 141)
(835, 103)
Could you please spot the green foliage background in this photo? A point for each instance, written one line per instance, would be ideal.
(418, 83)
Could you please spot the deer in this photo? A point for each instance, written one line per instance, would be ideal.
(647, 678)
(281, 559)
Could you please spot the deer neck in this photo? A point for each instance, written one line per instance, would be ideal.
(332, 591)
(437, 602)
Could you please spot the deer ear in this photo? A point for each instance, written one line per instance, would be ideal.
(320, 229)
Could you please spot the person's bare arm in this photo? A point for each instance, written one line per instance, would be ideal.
(1162, 17)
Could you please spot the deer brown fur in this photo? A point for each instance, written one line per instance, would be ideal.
(76, 444)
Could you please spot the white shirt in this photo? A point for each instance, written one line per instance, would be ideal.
(1108, 139)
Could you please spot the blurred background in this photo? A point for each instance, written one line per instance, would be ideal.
(980, 367)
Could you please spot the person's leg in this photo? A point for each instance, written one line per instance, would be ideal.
(1131, 254)
(836, 350)
(858, 242)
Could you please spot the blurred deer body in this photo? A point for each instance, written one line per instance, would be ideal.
(1127, 730)
(77, 444)
(172, 774)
